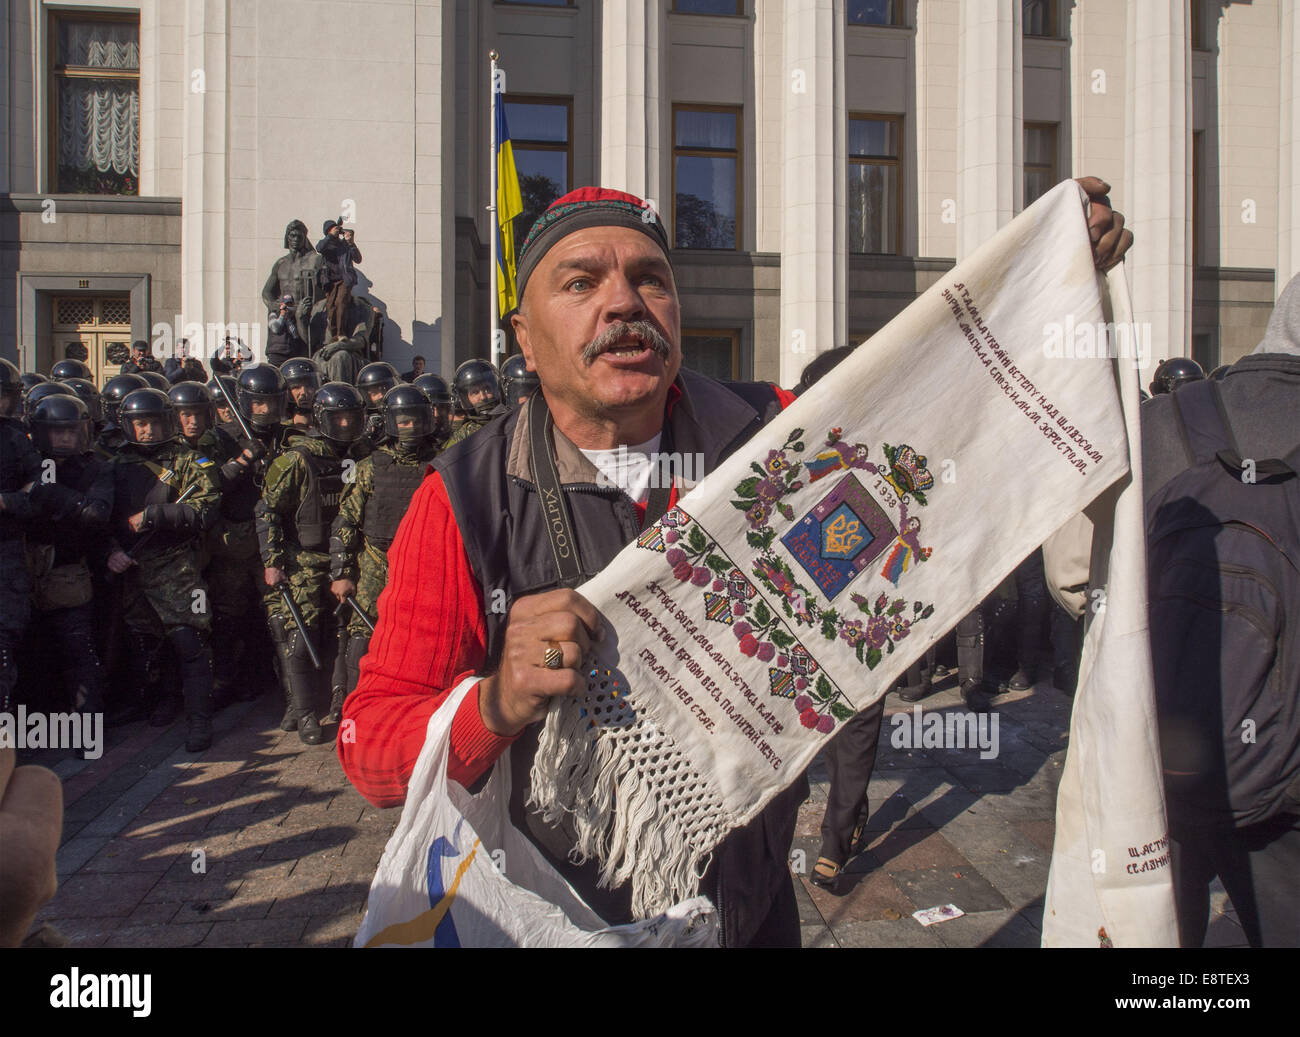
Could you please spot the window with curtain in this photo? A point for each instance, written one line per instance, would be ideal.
(875, 183)
(712, 351)
(1040, 160)
(706, 177)
(95, 108)
(1038, 18)
(540, 137)
(875, 12)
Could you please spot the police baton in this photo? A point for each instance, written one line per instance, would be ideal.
(348, 599)
(189, 492)
(283, 588)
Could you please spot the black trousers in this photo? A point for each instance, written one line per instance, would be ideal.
(1259, 867)
(850, 757)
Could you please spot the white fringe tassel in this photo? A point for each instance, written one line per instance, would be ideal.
(638, 807)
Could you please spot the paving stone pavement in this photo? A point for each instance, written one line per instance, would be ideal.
(259, 842)
(262, 841)
(948, 827)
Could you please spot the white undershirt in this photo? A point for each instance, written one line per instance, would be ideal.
(630, 468)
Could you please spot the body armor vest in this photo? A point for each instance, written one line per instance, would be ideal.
(320, 500)
(139, 485)
(395, 485)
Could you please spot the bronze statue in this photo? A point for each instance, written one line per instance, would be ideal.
(298, 273)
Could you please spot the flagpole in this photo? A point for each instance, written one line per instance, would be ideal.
(493, 232)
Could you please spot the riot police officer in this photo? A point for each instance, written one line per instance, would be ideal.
(374, 381)
(20, 467)
(517, 382)
(477, 392)
(223, 388)
(1175, 371)
(75, 494)
(111, 439)
(440, 396)
(373, 505)
(301, 381)
(156, 380)
(304, 486)
(70, 368)
(89, 395)
(155, 548)
(39, 392)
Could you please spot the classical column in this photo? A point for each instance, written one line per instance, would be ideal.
(990, 124)
(1288, 171)
(204, 268)
(1158, 171)
(632, 32)
(813, 236)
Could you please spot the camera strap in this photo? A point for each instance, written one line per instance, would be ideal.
(555, 508)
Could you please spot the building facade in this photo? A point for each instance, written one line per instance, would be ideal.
(818, 163)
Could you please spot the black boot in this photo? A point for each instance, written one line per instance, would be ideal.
(195, 660)
(303, 681)
(280, 637)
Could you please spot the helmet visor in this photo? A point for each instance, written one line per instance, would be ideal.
(262, 409)
(62, 438)
(151, 429)
(408, 424)
(342, 426)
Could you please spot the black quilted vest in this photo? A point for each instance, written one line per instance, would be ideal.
(501, 525)
(320, 500)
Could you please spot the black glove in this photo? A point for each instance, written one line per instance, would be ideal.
(255, 447)
(55, 502)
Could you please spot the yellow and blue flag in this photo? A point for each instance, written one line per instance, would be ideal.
(510, 203)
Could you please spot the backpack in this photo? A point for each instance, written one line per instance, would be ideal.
(1223, 564)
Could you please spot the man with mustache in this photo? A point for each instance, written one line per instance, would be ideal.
(600, 323)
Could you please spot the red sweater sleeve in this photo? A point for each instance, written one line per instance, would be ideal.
(431, 634)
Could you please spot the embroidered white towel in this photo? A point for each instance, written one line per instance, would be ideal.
(795, 584)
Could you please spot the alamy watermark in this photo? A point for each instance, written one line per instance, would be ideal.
(665, 469)
(1096, 340)
(82, 731)
(953, 730)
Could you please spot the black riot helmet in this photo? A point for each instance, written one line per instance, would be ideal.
(30, 380)
(475, 377)
(1174, 372)
(39, 392)
(55, 413)
(260, 395)
(301, 373)
(156, 380)
(408, 414)
(374, 381)
(89, 395)
(340, 412)
(116, 389)
(11, 390)
(440, 396)
(71, 368)
(225, 390)
(152, 404)
(517, 381)
(194, 396)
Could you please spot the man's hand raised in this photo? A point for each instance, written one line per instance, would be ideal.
(1105, 226)
(519, 693)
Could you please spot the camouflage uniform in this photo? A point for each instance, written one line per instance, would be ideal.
(286, 500)
(356, 555)
(163, 594)
(471, 424)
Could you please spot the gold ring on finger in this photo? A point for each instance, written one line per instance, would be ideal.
(554, 658)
